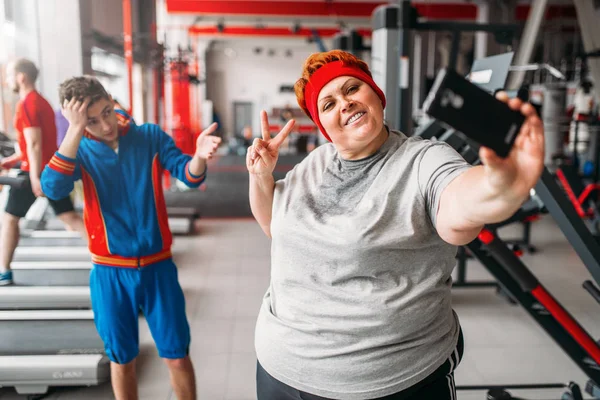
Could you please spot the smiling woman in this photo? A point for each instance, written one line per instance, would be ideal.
(359, 302)
(335, 87)
(364, 233)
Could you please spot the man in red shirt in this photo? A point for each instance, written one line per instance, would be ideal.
(36, 138)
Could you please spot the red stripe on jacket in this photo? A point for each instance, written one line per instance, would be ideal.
(92, 216)
(189, 177)
(159, 202)
(132, 262)
(61, 166)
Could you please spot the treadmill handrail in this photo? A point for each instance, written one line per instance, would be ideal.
(58, 360)
(43, 265)
(53, 250)
(44, 291)
(45, 297)
(46, 315)
(16, 182)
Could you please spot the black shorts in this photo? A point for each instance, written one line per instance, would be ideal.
(439, 385)
(20, 200)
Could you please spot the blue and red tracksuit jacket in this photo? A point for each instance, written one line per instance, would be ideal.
(124, 208)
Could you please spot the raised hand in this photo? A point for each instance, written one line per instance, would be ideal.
(206, 144)
(75, 111)
(520, 171)
(262, 156)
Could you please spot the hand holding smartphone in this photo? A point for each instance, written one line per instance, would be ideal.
(471, 110)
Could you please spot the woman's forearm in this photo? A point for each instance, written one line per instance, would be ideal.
(469, 202)
(262, 188)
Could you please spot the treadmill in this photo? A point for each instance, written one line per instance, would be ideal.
(54, 234)
(34, 375)
(15, 297)
(39, 261)
(52, 253)
(38, 240)
(55, 262)
(51, 273)
(48, 333)
(44, 348)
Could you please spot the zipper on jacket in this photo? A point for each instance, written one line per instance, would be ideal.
(131, 209)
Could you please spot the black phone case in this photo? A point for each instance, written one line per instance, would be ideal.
(471, 110)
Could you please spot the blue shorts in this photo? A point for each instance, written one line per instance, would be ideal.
(118, 294)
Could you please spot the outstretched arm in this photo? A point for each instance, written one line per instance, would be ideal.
(190, 170)
(494, 191)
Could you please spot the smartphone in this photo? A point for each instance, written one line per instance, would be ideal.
(471, 110)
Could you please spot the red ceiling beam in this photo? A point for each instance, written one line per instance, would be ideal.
(303, 8)
(272, 8)
(266, 31)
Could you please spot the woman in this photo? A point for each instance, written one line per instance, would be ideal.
(364, 233)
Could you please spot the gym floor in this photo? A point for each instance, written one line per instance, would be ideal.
(224, 271)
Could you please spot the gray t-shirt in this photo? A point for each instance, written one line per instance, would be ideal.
(359, 303)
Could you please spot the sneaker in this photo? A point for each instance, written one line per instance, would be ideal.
(6, 278)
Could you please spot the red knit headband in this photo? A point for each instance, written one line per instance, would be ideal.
(326, 74)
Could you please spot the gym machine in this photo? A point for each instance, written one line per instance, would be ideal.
(40, 228)
(392, 53)
(522, 286)
(59, 260)
(48, 332)
(33, 375)
(581, 195)
(47, 325)
(34, 223)
(350, 41)
(526, 215)
(70, 354)
(49, 261)
(40, 297)
(490, 74)
(31, 233)
(51, 273)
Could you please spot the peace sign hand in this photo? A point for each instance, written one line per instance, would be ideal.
(263, 154)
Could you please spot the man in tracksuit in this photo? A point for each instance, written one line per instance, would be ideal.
(121, 165)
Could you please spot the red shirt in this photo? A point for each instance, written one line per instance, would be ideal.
(35, 112)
